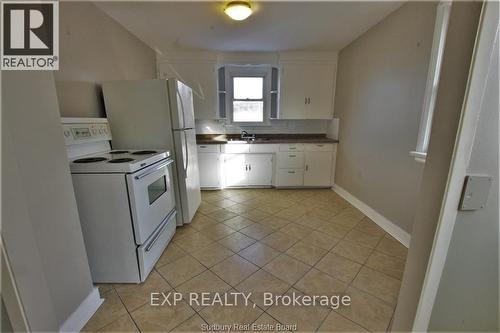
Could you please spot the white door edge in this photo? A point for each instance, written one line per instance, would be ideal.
(481, 61)
(10, 295)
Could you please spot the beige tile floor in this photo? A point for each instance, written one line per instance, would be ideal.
(264, 240)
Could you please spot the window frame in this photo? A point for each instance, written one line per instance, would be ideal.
(433, 75)
(249, 71)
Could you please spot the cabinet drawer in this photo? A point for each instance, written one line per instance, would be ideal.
(292, 147)
(149, 253)
(319, 146)
(236, 148)
(290, 177)
(263, 148)
(208, 148)
(290, 160)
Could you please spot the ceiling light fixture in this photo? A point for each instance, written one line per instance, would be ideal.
(238, 10)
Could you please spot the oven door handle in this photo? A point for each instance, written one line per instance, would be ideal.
(165, 222)
(150, 171)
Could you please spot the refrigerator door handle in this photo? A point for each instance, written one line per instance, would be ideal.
(182, 108)
(186, 164)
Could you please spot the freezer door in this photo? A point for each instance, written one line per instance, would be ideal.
(138, 114)
(187, 173)
(182, 109)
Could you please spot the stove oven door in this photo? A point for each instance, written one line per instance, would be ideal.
(152, 198)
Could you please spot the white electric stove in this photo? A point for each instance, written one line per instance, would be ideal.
(125, 199)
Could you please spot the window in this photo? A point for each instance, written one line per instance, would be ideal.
(431, 89)
(245, 97)
(248, 99)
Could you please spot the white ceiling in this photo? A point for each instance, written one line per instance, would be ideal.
(274, 26)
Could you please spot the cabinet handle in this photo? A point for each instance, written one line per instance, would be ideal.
(319, 145)
(203, 146)
(249, 167)
(292, 148)
(291, 171)
(305, 100)
(308, 100)
(246, 167)
(292, 155)
(307, 167)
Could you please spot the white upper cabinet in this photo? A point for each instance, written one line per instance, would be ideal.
(202, 78)
(307, 90)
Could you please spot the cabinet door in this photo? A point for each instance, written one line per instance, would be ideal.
(306, 91)
(293, 91)
(209, 166)
(260, 169)
(320, 93)
(235, 170)
(201, 77)
(318, 169)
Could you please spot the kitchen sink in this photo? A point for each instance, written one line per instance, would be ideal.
(235, 141)
(257, 140)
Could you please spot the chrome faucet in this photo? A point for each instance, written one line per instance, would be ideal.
(246, 136)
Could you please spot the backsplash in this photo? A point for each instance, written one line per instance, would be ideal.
(330, 128)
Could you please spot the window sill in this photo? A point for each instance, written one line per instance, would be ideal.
(419, 156)
(266, 123)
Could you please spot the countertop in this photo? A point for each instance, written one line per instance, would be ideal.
(221, 139)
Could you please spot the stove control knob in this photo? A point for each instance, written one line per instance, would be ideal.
(67, 133)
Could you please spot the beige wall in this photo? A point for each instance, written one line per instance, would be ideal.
(460, 39)
(95, 48)
(380, 88)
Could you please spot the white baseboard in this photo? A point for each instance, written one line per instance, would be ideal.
(402, 236)
(77, 320)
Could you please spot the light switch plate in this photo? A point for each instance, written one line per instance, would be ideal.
(475, 192)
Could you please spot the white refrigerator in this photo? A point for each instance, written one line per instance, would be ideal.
(158, 114)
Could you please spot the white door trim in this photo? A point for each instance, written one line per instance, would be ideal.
(10, 295)
(77, 320)
(481, 61)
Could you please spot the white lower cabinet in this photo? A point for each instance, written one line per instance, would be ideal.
(291, 160)
(209, 166)
(210, 170)
(290, 177)
(318, 168)
(260, 169)
(305, 165)
(240, 165)
(248, 170)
